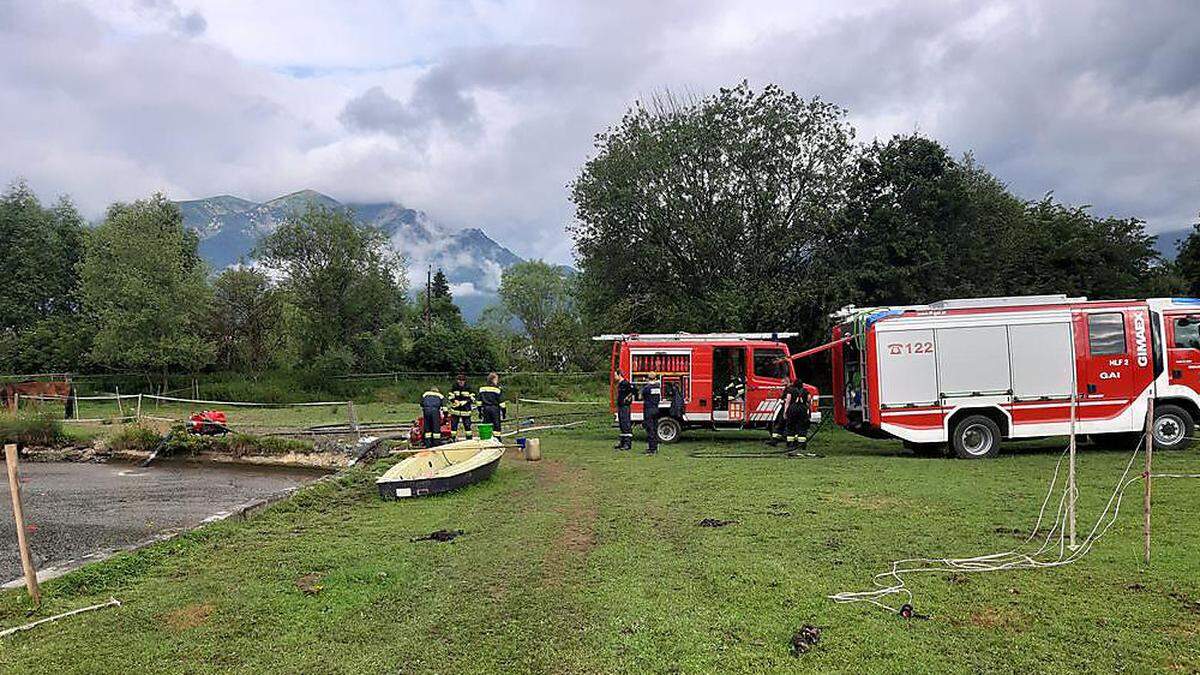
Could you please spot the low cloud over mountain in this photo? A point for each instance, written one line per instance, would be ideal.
(230, 226)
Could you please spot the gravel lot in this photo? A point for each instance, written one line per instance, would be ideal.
(76, 509)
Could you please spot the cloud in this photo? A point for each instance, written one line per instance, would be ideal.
(481, 113)
(190, 24)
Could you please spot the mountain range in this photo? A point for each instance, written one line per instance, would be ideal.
(1167, 243)
(229, 227)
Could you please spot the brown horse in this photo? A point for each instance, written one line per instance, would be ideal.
(37, 391)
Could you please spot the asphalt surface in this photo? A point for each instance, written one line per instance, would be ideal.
(76, 509)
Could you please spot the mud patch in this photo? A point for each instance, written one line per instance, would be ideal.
(715, 522)
(805, 639)
(309, 584)
(440, 535)
(1186, 603)
(958, 579)
(576, 504)
(186, 618)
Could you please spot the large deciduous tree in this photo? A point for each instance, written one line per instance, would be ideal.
(41, 327)
(542, 297)
(144, 285)
(711, 214)
(343, 277)
(247, 314)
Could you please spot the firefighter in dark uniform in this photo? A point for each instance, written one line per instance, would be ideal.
(736, 389)
(796, 415)
(651, 395)
(432, 405)
(625, 394)
(492, 406)
(462, 399)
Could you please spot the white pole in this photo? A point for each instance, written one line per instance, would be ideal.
(1072, 493)
(1146, 479)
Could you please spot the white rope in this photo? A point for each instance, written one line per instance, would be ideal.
(541, 428)
(54, 397)
(1008, 560)
(243, 403)
(543, 402)
(112, 602)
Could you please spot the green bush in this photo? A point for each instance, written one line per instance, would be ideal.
(31, 429)
(134, 437)
(182, 444)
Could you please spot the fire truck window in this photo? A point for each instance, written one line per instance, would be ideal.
(1106, 333)
(767, 363)
(1187, 333)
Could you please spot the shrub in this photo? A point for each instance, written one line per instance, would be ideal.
(237, 445)
(31, 429)
(134, 437)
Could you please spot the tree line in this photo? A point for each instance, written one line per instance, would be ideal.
(741, 211)
(757, 210)
(326, 295)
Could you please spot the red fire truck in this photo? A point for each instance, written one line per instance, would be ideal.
(728, 380)
(972, 372)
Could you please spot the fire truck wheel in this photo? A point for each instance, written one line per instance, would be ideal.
(1173, 427)
(668, 429)
(975, 437)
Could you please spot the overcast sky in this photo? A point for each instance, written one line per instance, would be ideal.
(481, 112)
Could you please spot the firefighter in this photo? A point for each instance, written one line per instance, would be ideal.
(462, 400)
(432, 406)
(651, 395)
(778, 423)
(625, 394)
(492, 406)
(796, 415)
(736, 389)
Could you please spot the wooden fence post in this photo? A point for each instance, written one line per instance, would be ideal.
(353, 418)
(120, 408)
(14, 489)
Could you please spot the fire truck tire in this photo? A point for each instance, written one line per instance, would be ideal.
(975, 437)
(669, 429)
(1173, 427)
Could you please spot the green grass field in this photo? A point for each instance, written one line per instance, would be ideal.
(593, 561)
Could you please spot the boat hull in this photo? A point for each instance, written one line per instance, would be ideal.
(461, 464)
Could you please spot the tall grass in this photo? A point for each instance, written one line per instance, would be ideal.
(28, 428)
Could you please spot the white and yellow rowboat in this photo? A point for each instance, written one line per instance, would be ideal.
(441, 469)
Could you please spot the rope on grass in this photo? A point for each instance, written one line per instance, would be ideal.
(544, 402)
(1007, 560)
(112, 602)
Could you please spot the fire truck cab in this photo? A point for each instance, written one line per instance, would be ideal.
(727, 380)
(969, 373)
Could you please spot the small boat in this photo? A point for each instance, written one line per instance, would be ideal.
(441, 469)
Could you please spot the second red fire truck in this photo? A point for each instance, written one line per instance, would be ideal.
(728, 380)
(969, 373)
